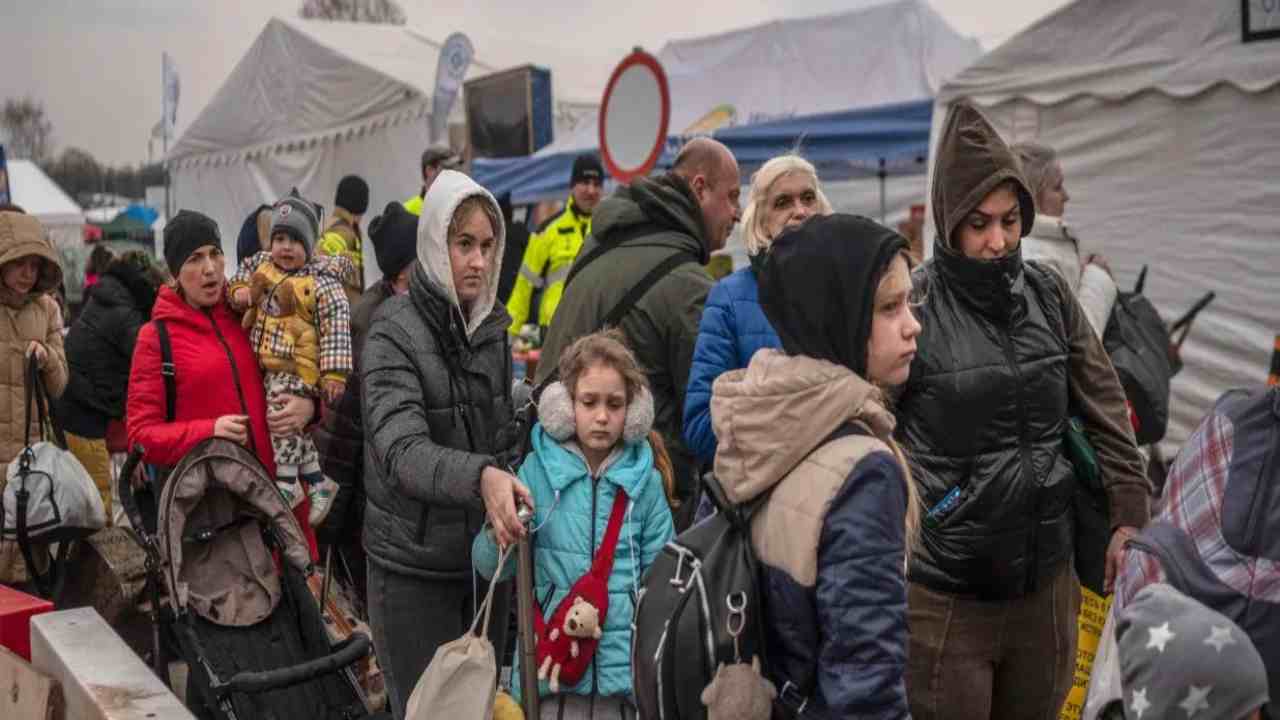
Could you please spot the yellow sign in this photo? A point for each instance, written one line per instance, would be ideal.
(1093, 616)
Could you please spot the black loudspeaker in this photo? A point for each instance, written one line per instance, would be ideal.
(509, 113)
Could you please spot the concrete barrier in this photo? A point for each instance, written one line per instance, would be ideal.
(101, 678)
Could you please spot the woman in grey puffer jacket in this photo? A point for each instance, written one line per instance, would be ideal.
(437, 395)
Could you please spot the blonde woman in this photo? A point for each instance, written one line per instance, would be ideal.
(784, 193)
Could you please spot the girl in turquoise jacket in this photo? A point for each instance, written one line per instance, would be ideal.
(591, 442)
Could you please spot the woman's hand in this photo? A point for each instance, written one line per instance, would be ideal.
(232, 427)
(1115, 556)
(500, 491)
(240, 299)
(37, 351)
(289, 414)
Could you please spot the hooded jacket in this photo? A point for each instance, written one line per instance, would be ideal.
(644, 223)
(100, 348)
(1005, 357)
(437, 393)
(572, 512)
(831, 535)
(31, 317)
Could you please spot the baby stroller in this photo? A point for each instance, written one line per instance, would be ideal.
(247, 626)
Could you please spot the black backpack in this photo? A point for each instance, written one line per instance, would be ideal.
(1138, 342)
(701, 591)
(701, 579)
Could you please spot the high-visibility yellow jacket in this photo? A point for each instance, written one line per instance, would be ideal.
(341, 238)
(547, 259)
(414, 205)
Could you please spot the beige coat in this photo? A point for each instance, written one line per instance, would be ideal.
(34, 316)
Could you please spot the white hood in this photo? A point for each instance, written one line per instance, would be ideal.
(446, 194)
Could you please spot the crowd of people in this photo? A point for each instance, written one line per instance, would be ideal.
(900, 426)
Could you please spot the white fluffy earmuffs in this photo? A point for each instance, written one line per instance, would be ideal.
(555, 412)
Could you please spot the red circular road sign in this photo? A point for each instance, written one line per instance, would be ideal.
(633, 117)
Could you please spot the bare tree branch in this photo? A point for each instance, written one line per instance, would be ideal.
(25, 130)
(386, 12)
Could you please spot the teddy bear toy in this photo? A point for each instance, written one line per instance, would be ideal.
(567, 649)
(290, 312)
(739, 692)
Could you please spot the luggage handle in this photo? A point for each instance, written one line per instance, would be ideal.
(344, 654)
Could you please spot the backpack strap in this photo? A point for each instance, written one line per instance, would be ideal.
(605, 245)
(646, 284)
(167, 370)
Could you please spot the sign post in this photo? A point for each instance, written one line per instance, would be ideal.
(634, 115)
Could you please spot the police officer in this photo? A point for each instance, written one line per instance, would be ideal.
(552, 250)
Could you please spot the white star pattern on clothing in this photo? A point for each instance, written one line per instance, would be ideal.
(1140, 703)
(1220, 637)
(1197, 700)
(1160, 636)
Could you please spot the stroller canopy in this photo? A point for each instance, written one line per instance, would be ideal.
(214, 510)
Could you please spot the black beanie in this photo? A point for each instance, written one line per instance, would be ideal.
(586, 167)
(394, 235)
(187, 232)
(818, 286)
(353, 195)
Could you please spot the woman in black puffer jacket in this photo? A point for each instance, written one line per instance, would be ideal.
(1006, 357)
(99, 349)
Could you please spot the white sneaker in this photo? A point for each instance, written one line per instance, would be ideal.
(292, 493)
(321, 495)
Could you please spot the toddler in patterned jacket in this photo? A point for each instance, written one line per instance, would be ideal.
(301, 331)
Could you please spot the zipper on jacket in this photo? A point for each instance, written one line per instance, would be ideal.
(1024, 449)
(235, 378)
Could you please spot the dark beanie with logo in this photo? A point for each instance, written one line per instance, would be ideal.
(297, 217)
(394, 235)
(187, 232)
(586, 167)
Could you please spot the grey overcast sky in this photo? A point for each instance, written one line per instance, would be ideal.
(96, 63)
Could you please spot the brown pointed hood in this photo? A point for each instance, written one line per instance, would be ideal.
(773, 414)
(972, 160)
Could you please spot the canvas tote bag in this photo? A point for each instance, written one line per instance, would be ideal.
(462, 678)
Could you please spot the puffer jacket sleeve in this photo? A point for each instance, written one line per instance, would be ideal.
(55, 368)
(861, 594)
(1097, 395)
(484, 549)
(713, 354)
(165, 442)
(396, 430)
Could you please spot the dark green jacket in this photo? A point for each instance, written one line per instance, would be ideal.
(644, 224)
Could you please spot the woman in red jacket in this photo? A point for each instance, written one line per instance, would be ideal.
(219, 388)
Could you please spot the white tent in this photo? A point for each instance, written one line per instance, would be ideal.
(1166, 122)
(39, 195)
(895, 52)
(309, 102)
